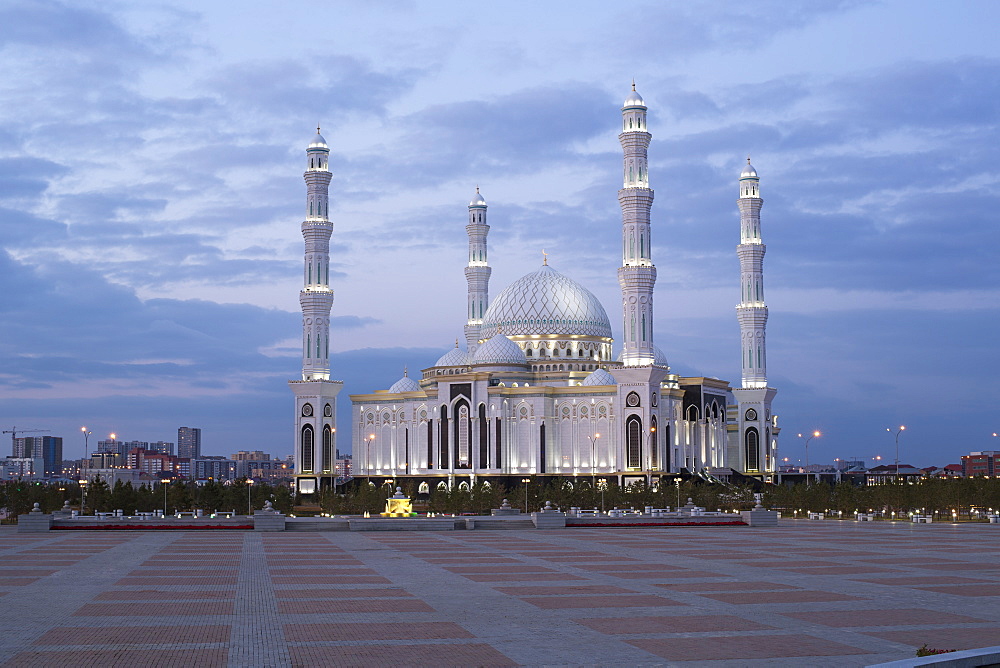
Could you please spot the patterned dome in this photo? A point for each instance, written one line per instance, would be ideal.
(499, 350)
(454, 357)
(404, 384)
(546, 302)
(599, 377)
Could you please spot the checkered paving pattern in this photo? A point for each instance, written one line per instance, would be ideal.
(804, 593)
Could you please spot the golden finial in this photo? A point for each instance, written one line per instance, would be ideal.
(406, 371)
(633, 83)
(317, 128)
(477, 190)
(456, 342)
(748, 159)
(545, 258)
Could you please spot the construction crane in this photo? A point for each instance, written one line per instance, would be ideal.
(14, 431)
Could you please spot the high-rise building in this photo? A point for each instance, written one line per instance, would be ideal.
(189, 442)
(48, 448)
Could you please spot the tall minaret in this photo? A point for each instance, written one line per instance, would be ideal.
(755, 443)
(477, 273)
(316, 394)
(637, 275)
(752, 312)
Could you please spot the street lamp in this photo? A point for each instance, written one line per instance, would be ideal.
(677, 483)
(650, 444)
(368, 473)
(525, 481)
(815, 434)
(163, 483)
(86, 437)
(899, 431)
(602, 485)
(593, 456)
(249, 501)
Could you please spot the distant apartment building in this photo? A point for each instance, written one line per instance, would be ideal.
(343, 467)
(13, 468)
(189, 442)
(48, 448)
(215, 468)
(112, 445)
(163, 447)
(986, 462)
(251, 456)
(105, 460)
(154, 463)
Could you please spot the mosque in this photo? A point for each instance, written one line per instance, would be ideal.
(538, 390)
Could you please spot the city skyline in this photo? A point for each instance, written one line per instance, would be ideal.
(151, 196)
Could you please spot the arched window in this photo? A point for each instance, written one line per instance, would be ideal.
(752, 443)
(633, 442)
(308, 454)
(424, 488)
(328, 454)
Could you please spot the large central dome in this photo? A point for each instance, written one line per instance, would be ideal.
(546, 302)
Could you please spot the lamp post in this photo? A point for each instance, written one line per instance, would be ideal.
(650, 444)
(602, 484)
(677, 483)
(249, 500)
(86, 439)
(83, 494)
(593, 457)
(163, 483)
(899, 431)
(525, 481)
(815, 434)
(368, 473)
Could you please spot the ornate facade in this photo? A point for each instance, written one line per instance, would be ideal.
(538, 390)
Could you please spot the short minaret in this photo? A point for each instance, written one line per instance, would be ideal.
(637, 275)
(751, 311)
(754, 445)
(315, 393)
(478, 271)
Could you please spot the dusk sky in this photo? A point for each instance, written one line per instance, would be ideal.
(151, 192)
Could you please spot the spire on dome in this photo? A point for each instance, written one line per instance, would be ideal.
(545, 258)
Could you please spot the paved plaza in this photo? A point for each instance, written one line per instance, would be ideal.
(805, 593)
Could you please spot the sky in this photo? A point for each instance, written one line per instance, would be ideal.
(151, 159)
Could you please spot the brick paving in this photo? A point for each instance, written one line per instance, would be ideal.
(805, 593)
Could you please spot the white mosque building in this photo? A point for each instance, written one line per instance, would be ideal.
(538, 389)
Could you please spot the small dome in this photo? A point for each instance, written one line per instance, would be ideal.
(634, 99)
(499, 350)
(599, 377)
(478, 199)
(404, 384)
(748, 171)
(454, 357)
(317, 141)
